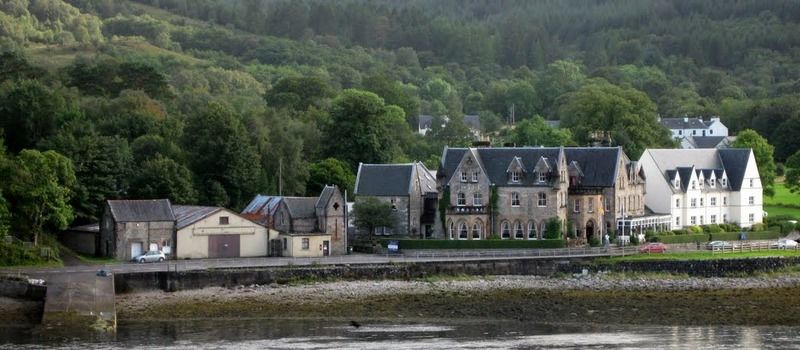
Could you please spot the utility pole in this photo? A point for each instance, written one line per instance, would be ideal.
(280, 176)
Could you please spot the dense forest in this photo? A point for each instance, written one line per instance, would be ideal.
(212, 101)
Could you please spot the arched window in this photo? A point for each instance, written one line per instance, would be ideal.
(477, 228)
(462, 231)
(518, 234)
(532, 230)
(451, 229)
(505, 233)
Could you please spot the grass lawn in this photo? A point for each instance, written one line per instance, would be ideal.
(782, 196)
(705, 255)
(774, 210)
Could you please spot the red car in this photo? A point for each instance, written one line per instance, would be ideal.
(655, 247)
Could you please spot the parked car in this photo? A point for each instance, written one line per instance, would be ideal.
(719, 245)
(784, 243)
(655, 247)
(151, 256)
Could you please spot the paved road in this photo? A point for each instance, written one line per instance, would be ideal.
(354, 259)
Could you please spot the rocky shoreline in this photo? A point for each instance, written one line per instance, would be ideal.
(596, 298)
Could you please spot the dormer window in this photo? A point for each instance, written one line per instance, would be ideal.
(713, 182)
(475, 176)
(694, 184)
(542, 177)
(463, 176)
(677, 183)
(515, 176)
(724, 182)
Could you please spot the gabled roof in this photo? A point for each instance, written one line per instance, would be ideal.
(189, 214)
(325, 196)
(301, 207)
(684, 123)
(734, 161)
(261, 208)
(424, 121)
(706, 141)
(384, 179)
(473, 121)
(686, 175)
(141, 210)
(598, 164)
(542, 165)
(516, 161)
(495, 162)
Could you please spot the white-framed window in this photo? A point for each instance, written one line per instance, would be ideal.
(752, 183)
(463, 176)
(724, 218)
(702, 220)
(677, 221)
(462, 231)
(701, 201)
(576, 206)
(475, 176)
(751, 200)
(451, 229)
(693, 220)
(477, 199)
(515, 176)
(304, 244)
(725, 200)
(514, 199)
(676, 184)
(518, 234)
(724, 182)
(751, 217)
(712, 201)
(694, 184)
(224, 220)
(694, 132)
(505, 232)
(477, 229)
(532, 230)
(694, 202)
(461, 199)
(590, 205)
(713, 182)
(542, 177)
(542, 199)
(713, 219)
(677, 202)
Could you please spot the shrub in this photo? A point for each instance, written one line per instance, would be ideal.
(552, 229)
(482, 244)
(695, 229)
(594, 241)
(494, 237)
(634, 239)
(758, 227)
(713, 228)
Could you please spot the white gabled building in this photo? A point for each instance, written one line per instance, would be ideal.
(694, 127)
(703, 186)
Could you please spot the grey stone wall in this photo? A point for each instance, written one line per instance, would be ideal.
(158, 232)
(528, 210)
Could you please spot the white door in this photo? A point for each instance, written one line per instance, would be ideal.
(136, 249)
(153, 247)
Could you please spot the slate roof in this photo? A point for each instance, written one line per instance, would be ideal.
(189, 214)
(680, 123)
(495, 162)
(707, 141)
(598, 164)
(261, 208)
(301, 207)
(325, 196)
(384, 179)
(473, 121)
(141, 210)
(424, 121)
(91, 228)
(732, 160)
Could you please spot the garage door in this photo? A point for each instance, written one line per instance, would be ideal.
(223, 246)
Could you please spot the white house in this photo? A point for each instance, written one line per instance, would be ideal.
(473, 122)
(703, 186)
(215, 232)
(696, 127)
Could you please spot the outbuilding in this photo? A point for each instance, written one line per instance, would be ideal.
(216, 232)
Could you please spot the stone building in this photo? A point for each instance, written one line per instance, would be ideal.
(529, 184)
(132, 227)
(409, 188)
(301, 220)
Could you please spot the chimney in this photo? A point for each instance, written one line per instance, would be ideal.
(685, 119)
(481, 144)
(714, 119)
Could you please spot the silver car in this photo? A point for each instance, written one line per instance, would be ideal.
(151, 256)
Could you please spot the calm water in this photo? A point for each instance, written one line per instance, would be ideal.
(315, 334)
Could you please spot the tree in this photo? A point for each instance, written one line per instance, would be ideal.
(221, 156)
(763, 152)
(558, 78)
(299, 92)
(162, 177)
(627, 114)
(535, 132)
(330, 171)
(371, 213)
(358, 130)
(793, 173)
(31, 111)
(39, 189)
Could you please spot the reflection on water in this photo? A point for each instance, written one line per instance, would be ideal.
(380, 335)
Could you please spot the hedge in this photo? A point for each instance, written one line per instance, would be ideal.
(722, 236)
(476, 244)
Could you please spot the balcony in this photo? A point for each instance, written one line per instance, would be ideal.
(468, 210)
